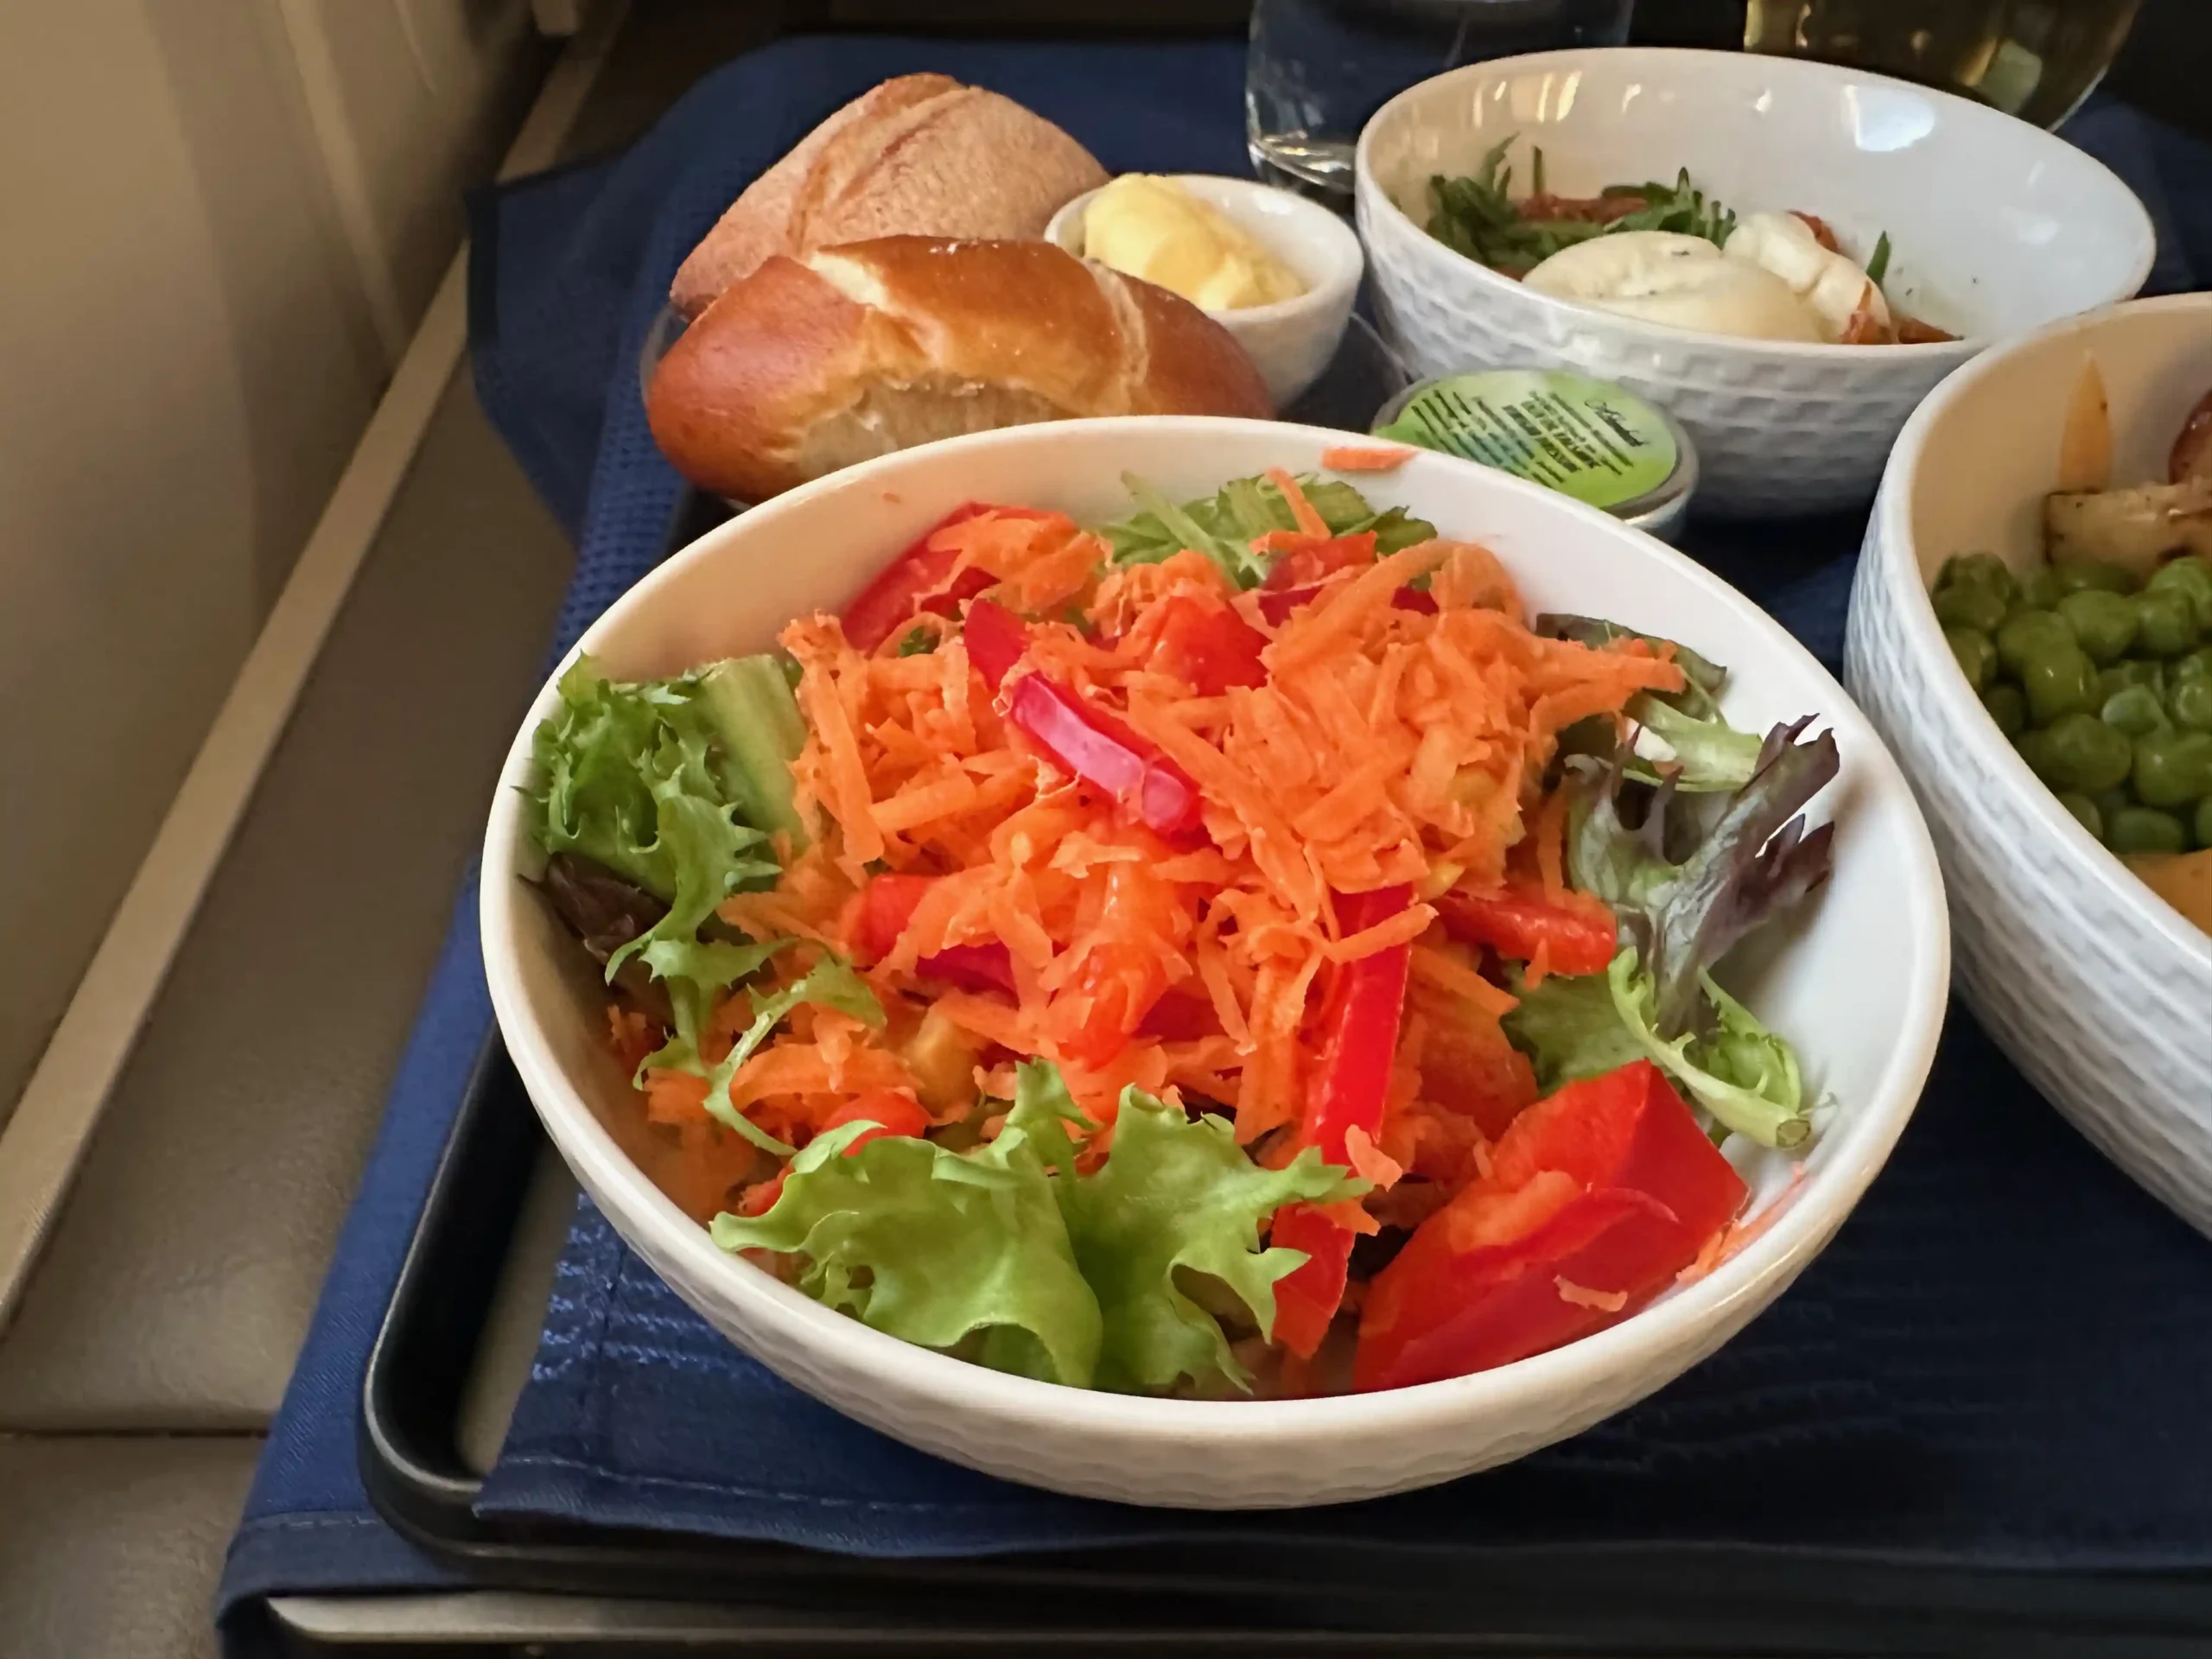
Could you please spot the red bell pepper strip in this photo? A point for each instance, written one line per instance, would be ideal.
(1351, 1085)
(1596, 1198)
(879, 913)
(996, 640)
(1209, 647)
(1086, 740)
(1277, 606)
(917, 581)
(1515, 921)
(1180, 1017)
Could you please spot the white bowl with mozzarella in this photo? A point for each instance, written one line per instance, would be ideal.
(1997, 228)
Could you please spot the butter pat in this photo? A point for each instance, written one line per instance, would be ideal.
(1153, 229)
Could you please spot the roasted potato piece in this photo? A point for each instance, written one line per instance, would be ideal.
(2192, 455)
(2183, 880)
(2133, 528)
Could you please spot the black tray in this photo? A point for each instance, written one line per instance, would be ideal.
(1652, 1598)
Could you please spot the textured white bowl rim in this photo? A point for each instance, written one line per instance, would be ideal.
(1893, 512)
(1807, 1216)
(1686, 61)
(1336, 243)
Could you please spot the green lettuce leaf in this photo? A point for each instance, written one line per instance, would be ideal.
(629, 776)
(1010, 1256)
(1704, 755)
(1178, 1196)
(830, 983)
(1569, 1029)
(1223, 525)
(967, 1252)
(1746, 1077)
(693, 974)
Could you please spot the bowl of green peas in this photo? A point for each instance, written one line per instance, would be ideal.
(2032, 633)
(2102, 682)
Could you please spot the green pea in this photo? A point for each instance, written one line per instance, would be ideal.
(1979, 570)
(2035, 747)
(2134, 672)
(2104, 622)
(2085, 812)
(2083, 753)
(2134, 710)
(2111, 802)
(2039, 588)
(2059, 682)
(2008, 707)
(2074, 576)
(2173, 768)
(1969, 605)
(2191, 704)
(2202, 826)
(2027, 634)
(2145, 830)
(2166, 623)
(1976, 653)
(2190, 575)
(2197, 665)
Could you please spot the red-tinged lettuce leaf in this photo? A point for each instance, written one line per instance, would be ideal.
(1752, 859)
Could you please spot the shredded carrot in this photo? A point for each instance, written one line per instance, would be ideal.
(1301, 510)
(1383, 744)
(1604, 1302)
(1367, 457)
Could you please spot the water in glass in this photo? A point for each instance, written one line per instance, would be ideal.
(1318, 68)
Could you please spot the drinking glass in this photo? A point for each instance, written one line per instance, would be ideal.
(1317, 69)
(2035, 59)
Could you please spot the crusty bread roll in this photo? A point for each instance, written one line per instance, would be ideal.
(922, 155)
(808, 365)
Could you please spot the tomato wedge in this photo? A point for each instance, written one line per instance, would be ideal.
(892, 1114)
(1598, 1196)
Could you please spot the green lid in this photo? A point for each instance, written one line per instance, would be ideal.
(1582, 437)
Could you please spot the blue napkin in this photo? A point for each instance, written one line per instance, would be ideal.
(1996, 1360)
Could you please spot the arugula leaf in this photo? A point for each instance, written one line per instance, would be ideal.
(1476, 215)
(830, 983)
(937, 1248)
(1223, 525)
(627, 775)
(1569, 1029)
(1759, 1095)
(1755, 859)
(1178, 1196)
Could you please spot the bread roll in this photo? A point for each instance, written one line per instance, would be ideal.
(921, 154)
(808, 365)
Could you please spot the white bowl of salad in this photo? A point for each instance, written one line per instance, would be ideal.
(1786, 255)
(1173, 960)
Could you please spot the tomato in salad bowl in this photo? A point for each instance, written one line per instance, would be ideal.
(1200, 962)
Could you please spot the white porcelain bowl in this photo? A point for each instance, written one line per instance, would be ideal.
(1997, 228)
(1858, 979)
(1291, 341)
(2095, 987)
